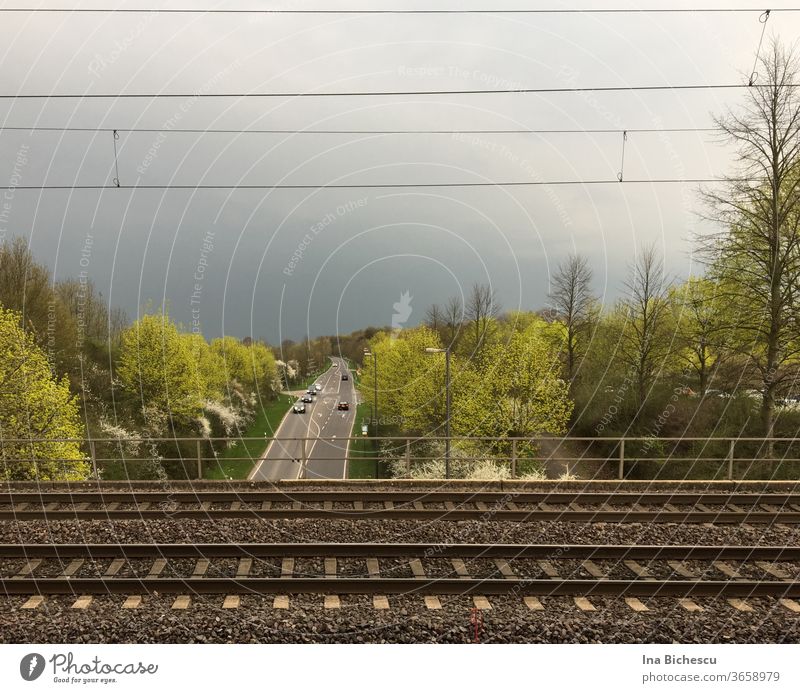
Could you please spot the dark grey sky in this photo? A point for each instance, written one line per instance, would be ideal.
(284, 263)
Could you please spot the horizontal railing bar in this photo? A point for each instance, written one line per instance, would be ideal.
(411, 438)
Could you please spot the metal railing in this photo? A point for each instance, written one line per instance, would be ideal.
(618, 457)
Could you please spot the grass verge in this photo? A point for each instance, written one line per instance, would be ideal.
(359, 466)
(262, 429)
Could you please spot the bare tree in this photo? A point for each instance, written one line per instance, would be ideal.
(452, 319)
(643, 342)
(756, 258)
(480, 311)
(573, 301)
(434, 317)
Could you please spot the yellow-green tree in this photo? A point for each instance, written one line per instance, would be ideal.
(37, 407)
(409, 380)
(262, 368)
(208, 364)
(235, 358)
(156, 366)
(518, 391)
(699, 327)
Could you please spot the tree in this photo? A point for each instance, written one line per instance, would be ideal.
(156, 366)
(480, 312)
(263, 369)
(95, 321)
(410, 384)
(643, 341)
(35, 406)
(699, 326)
(452, 320)
(519, 393)
(756, 258)
(208, 366)
(235, 359)
(572, 298)
(25, 287)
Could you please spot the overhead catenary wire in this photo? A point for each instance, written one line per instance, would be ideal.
(115, 136)
(430, 92)
(763, 20)
(351, 186)
(543, 10)
(622, 160)
(276, 131)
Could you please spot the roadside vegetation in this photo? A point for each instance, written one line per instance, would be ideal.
(715, 354)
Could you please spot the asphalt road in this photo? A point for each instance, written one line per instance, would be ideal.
(327, 427)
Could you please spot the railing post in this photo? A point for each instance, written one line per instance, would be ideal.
(408, 457)
(730, 460)
(514, 458)
(199, 461)
(302, 458)
(93, 454)
(621, 470)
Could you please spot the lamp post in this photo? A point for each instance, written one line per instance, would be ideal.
(367, 352)
(446, 352)
(374, 356)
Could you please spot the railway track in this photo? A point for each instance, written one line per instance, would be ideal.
(578, 506)
(525, 570)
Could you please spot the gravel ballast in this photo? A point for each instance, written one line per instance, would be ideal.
(407, 621)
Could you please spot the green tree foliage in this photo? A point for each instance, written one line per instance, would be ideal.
(208, 365)
(518, 392)
(406, 379)
(699, 325)
(156, 367)
(235, 359)
(26, 287)
(642, 322)
(756, 258)
(35, 405)
(263, 371)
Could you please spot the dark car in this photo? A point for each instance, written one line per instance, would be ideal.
(308, 399)
(299, 408)
(343, 406)
(345, 376)
(311, 391)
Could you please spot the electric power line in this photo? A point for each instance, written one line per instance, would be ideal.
(271, 131)
(339, 186)
(432, 92)
(609, 10)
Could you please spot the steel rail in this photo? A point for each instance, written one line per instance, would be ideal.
(429, 515)
(510, 495)
(346, 585)
(552, 552)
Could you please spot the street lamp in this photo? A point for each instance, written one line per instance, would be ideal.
(446, 352)
(367, 352)
(374, 356)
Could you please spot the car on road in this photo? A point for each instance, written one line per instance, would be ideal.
(345, 376)
(299, 408)
(318, 387)
(343, 406)
(311, 391)
(308, 399)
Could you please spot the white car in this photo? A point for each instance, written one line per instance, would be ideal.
(318, 387)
